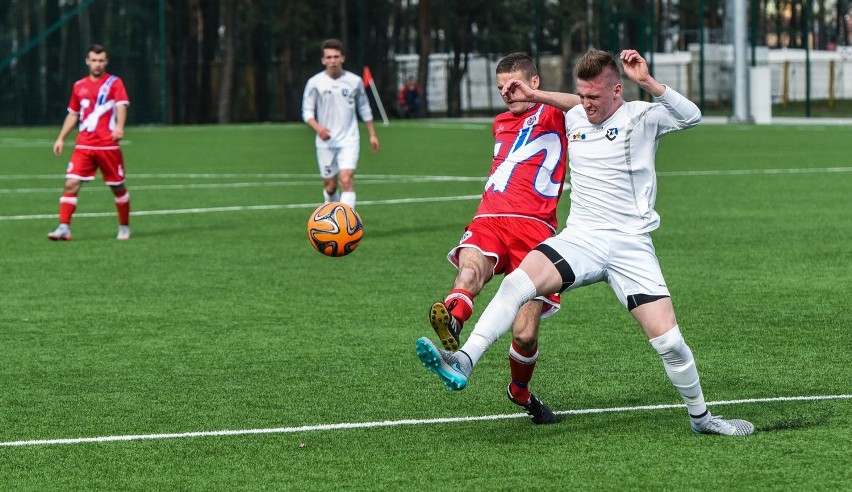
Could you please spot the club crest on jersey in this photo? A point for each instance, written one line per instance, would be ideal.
(345, 92)
(531, 121)
(611, 133)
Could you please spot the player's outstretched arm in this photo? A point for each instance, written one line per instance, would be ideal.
(682, 112)
(518, 91)
(636, 70)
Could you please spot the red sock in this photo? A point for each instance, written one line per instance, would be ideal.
(67, 206)
(122, 205)
(462, 308)
(521, 367)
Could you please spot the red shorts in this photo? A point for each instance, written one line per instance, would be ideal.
(85, 163)
(507, 240)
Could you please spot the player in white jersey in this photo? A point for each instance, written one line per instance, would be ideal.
(611, 150)
(332, 101)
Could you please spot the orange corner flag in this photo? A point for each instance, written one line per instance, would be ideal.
(368, 77)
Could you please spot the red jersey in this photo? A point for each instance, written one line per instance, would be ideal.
(95, 101)
(528, 170)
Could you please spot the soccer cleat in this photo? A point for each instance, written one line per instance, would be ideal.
(451, 367)
(123, 233)
(538, 411)
(61, 233)
(446, 326)
(716, 425)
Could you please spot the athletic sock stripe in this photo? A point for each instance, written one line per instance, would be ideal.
(460, 296)
(521, 358)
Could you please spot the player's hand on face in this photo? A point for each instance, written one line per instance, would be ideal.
(516, 91)
(634, 65)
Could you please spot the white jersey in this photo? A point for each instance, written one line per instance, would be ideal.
(333, 103)
(613, 179)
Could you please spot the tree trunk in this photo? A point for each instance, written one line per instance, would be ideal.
(427, 47)
(226, 70)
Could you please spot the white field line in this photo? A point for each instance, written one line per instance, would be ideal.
(391, 177)
(395, 423)
(366, 179)
(253, 184)
(308, 206)
(314, 176)
(737, 172)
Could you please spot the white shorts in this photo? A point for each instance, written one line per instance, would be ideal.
(627, 262)
(332, 160)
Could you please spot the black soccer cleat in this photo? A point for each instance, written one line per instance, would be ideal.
(538, 411)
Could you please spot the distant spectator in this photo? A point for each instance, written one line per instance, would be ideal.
(409, 99)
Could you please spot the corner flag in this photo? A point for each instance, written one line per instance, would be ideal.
(369, 82)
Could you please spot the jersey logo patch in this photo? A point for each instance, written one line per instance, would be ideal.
(611, 133)
(578, 136)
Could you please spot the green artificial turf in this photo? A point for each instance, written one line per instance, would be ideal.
(218, 315)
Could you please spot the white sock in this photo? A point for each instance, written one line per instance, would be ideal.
(348, 197)
(334, 197)
(497, 319)
(680, 367)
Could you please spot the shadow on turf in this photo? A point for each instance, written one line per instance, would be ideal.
(793, 422)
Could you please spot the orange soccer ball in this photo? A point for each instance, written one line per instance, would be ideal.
(335, 229)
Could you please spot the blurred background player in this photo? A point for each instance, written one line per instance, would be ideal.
(329, 106)
(409, 99)
(612, 148)
(99, 105)
(516, 213)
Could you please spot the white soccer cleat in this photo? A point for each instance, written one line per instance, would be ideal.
(61, 233)
(725, 427)
(123, 233)
(451, 367)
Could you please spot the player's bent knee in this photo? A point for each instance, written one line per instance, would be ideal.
(526, 340)
(525, 327)
(561, 264)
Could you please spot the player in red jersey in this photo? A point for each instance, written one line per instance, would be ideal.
(98, 106)
(517, 212)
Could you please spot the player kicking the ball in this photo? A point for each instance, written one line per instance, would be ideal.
(517, 212)
(612, 146)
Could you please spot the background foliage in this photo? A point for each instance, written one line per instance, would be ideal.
(194, 61)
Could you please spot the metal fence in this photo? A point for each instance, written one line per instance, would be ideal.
(710, 83)
(166, 84)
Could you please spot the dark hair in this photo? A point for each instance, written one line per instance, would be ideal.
(517, 62)
(594, 62)
(96, 49)
(333, 44)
